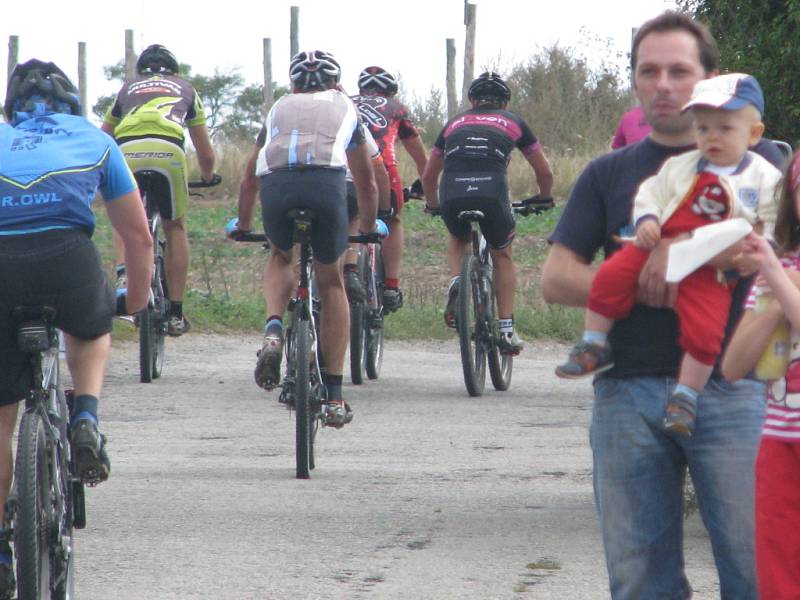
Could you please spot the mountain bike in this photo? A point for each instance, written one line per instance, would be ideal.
(476, 309)
(366, 317)
(47, 501)
(152, 321)
(302, 388)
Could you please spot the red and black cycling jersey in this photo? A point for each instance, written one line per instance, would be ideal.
(387, 119)
(482, 139)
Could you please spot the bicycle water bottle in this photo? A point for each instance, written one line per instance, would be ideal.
(774, 360)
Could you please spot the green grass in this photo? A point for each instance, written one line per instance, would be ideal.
(224, 289)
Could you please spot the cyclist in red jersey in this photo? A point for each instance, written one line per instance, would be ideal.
(388, 119)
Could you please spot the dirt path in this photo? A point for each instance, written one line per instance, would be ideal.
(427, 494)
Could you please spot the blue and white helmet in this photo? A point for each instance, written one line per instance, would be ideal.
(37, 87)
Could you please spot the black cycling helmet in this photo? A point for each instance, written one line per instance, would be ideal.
(39, 87)
(157, 59)
(488, 87)
(314, 70)
(377, 79)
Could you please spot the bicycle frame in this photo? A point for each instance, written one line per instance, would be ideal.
(65, 508)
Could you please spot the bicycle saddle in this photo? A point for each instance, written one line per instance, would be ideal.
(471, 215)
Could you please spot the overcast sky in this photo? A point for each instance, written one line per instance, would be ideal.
(406, 37)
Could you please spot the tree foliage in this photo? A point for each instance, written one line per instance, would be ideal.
(568, 104)
(759, 38)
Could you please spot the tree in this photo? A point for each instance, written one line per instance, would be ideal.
(567, 104)
(758, 38)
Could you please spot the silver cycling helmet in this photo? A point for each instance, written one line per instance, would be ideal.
(377, 79)
(314, 70)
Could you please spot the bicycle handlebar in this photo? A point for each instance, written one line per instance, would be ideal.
(215, 180)
(248, 236)
(535, 205)
(366, 238)
(252, 236)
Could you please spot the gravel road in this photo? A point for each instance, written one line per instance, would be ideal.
(428, 494)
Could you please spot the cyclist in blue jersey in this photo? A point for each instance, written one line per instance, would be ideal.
(52, 163)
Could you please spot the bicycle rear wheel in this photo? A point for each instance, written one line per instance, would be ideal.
(304, 419)
(375, 332)
(359, 325)
(500, 365)
(34, 514)
(471, 304)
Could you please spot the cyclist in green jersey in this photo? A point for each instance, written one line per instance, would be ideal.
(148, 119)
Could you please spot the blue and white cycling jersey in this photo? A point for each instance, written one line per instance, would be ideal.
(51, 167)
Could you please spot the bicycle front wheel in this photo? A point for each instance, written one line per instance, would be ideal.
(375, 333)
(471, 305)
(304, 419)
(34, 510)
(358, 342)
(500, 365)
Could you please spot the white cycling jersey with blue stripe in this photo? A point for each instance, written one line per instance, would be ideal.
(309, 130)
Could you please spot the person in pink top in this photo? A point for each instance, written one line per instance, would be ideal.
(777, 489)
(633, 126)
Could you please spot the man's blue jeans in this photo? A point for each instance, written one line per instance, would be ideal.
(639, 472)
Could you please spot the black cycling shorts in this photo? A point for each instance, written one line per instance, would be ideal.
(59, 268)
(352, 201)
(322, 191)
(487, 192)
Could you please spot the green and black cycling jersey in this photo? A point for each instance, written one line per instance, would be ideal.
(155, 106)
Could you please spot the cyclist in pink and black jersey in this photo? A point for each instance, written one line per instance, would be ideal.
(388, 120)
(473, 150)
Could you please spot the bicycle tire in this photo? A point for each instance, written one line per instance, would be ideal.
(375, 330)
(302, 399)
(358, 342)
(161, 312)
(500, 365)
(470, 302)
(147, 324)
(31, 523)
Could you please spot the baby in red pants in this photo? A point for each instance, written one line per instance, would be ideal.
(719, 180)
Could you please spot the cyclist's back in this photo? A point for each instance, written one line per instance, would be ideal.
(155, 104)
(482, 139)
(472, 153)
(310, 131)
(148, 119)
(311, 136)
(54, 162)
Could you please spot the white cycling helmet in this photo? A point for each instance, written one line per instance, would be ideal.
(314, 70)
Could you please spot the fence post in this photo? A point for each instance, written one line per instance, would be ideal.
(269, 93)
(469, 50)
(13, 54)
(294, 31)
(82, 79)
(452, 101)
(130, 55)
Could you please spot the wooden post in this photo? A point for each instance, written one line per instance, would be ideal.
(469, 51)
(294, 30)
(130, 55)
(452, 100)
(82, 79)
(13, 54)
(269, 94)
